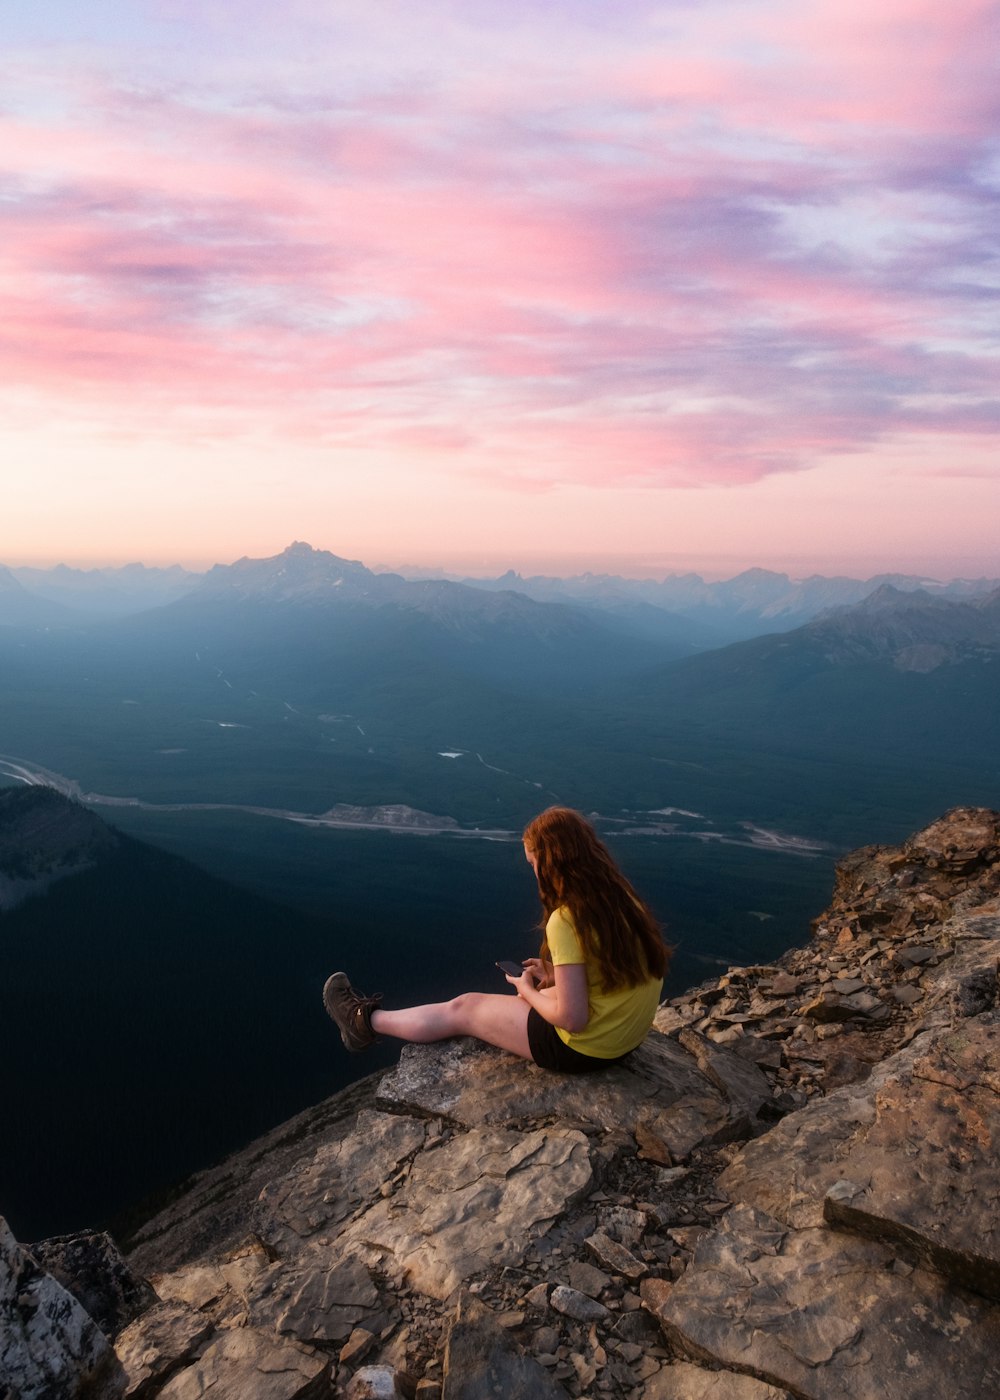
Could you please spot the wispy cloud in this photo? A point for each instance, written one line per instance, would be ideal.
(700, 244)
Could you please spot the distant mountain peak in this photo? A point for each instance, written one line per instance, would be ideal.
(913, 629)
(298, 574)
(21, 608)
(760, 575)
(887, 595)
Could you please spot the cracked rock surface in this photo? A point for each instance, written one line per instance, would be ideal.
(790, 1190)
(826, 1315)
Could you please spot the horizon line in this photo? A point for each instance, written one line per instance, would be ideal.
(636, 568)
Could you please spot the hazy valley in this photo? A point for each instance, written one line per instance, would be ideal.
(329, 766)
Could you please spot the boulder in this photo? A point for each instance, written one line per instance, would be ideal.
(659, 1086)
(91, 1267)
(50, 1347)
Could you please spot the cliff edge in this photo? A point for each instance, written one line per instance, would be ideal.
(789, 1190)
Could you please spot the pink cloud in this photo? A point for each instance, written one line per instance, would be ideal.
(576, 272)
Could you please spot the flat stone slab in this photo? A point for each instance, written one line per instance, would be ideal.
(660, 1086)
(337, 1178)
(824, 1315)
(926, 1172)
(474, 1202)
(910, 1156)
(245, 1364)
(165, 1338)
(320, 1297)
(683, 1381)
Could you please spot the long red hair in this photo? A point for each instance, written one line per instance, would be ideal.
(577, 872)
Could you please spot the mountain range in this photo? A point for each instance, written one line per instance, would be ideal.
(754, 601)
(306, 681)
(683, 609)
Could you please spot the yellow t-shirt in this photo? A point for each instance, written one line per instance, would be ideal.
(618, 1020)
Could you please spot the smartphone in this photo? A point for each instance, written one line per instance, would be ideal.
(512, 969)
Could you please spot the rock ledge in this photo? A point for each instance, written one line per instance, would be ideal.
(790, 1190)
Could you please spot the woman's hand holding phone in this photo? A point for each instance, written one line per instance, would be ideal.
(541, 971)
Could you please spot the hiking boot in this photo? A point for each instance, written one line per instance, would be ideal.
(352, 1013)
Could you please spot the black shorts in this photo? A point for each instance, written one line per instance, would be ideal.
(550, 1051)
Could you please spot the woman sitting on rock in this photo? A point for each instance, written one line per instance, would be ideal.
(583, 1003)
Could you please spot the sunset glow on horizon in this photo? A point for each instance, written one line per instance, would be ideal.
(637, 288)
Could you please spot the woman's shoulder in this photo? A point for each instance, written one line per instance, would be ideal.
(562, 938)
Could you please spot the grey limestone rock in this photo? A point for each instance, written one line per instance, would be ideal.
(615, 1256)
(660, 1085)
(736, 1076)
(474, 1202)
(90, 1266)
(969, 982)
(246, 1364)
(572, 1303)
(374, 1383)
(321, 1295)
(482, 1362)
(338, 1178)
(166, 1337)
(357, 1346)
(824, 1315)
(919, 1140)
(683, 1381)
(928, 1164)
(50, 1348)
(585, 1278)
(863, 1222)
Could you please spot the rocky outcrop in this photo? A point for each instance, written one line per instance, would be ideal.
(50, 1348)
(789, 1191)
(90, 1266)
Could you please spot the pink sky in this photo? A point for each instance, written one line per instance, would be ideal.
(643, 287)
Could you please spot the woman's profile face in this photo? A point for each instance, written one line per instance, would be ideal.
(530, 857)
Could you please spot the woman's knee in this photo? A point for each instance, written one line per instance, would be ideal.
(462, 1009)
(465, 1001)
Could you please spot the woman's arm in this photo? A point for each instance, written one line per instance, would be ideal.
(567, 1005)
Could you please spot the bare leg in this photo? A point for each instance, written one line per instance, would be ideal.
(499, 1020)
